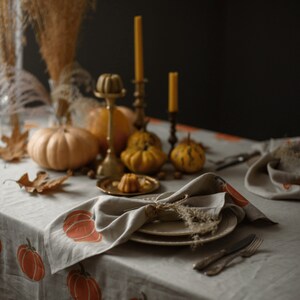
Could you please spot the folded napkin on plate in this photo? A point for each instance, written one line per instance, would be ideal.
(276, 175)
(106, 221)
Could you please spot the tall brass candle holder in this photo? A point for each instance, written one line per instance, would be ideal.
(110, 87)
(139, 103)
(172, 138)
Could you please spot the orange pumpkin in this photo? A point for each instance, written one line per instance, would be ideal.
(129, 113)
(82, 286)
(80, 227)
(31, 262)
(97, 123)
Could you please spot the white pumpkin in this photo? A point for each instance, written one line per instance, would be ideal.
(62, 148)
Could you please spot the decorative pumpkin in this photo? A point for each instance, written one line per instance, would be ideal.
(62, 148)
(31, 262)
(146, 160)
(82, 286)
(97, 124)
(142, 137)
(188, 156)
(80, 227)
(128, 113)
(129, 183)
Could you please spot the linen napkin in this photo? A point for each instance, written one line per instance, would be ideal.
(101, 223)
(276, 175)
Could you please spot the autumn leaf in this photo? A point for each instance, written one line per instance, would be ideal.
(41, 183)
(15, 147)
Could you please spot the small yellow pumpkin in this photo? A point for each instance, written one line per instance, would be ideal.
(188, 156)
(62, 148)
(143, 160)
(143, 137)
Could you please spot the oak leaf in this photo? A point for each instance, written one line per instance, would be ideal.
(15, 147)
(41, 183)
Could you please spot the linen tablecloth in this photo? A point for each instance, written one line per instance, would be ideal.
(135, 270)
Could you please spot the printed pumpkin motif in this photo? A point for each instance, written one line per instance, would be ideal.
(30, 262)
(237, 197)
(80, 227)
(82, 286)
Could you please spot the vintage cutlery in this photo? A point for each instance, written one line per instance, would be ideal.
(204, 262)
(234, 160)
(246, 252)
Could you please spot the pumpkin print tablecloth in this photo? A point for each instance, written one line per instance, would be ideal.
(133, 270)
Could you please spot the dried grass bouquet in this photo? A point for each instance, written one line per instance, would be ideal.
(57, 24)
(17, 87)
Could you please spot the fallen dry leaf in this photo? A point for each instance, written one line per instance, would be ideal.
(41, 183)
(15, 147)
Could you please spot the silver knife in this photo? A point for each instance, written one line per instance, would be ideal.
(235, 160)
(205, 261)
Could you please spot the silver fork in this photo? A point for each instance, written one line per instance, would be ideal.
(246, 252)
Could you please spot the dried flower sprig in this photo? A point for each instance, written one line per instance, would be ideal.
(199, 221)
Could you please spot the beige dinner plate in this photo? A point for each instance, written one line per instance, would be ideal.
(226, 226)
(109, 186)
(174, 228)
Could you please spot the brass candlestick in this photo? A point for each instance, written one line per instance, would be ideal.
(111, 165)
(139, 103)
(173, 138)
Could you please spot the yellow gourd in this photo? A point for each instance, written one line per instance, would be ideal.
(62, 148)
(143, 160)
(143, 137)
(188, 156)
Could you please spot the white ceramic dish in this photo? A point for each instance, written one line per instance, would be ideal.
(226, 226)
(173, 228)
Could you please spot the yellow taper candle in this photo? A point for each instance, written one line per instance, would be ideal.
(173, 92)
(138, 49)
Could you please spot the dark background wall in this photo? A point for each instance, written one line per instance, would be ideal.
(238, 60)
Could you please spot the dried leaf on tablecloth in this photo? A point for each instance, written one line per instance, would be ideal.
(15, 147)
(41, 183)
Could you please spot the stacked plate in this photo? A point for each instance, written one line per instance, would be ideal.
(178, 234)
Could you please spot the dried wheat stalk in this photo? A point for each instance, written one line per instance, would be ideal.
(57, 24)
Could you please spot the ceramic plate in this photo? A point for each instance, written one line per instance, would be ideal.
(226, 226)
(109, 186)
(174, 228)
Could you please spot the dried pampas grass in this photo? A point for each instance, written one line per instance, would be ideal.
(57, 24)
(12, 24)
(8, 16)
(21, 86)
